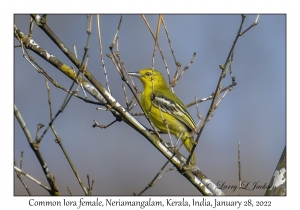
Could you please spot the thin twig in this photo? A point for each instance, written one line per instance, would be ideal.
(154, 50)
(169, 40)
(96, 124)
(23, 182)
(19, 175)
(217, 104)
(252, 25)
(69, 191)
(21, 159)
(209, 97)
(136, 103)
(177, 76)
(132, 82)
(126, 98)
(39, 127)
(59, 142)
(198, 112)
(138, 114)
(118, 29)
(49, 98)
(90, 186)
(18, 170)
(31, 27)
(75, 51)
(89, 19)
(101, 53)
(85, 68)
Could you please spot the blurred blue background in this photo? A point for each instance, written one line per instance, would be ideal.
(118, 158)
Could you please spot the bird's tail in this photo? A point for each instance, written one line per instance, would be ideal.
(188, 142)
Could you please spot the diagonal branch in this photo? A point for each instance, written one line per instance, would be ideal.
(35, 148)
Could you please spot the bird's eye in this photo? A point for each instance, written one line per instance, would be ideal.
(148, 73)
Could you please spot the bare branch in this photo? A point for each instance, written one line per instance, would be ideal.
(19, 175)
(59, 142)
(101, 53)
(35, 149)
(18, 170)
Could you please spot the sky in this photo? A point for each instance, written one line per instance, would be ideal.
(118, 158)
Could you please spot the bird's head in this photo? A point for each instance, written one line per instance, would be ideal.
(147, 76)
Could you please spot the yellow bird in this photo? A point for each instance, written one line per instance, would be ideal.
(157, 99)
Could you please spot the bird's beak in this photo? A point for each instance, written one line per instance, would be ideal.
(136, 74)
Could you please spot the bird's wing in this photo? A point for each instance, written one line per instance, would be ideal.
(173, 106)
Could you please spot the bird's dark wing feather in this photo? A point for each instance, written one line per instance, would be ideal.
(174, 108)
